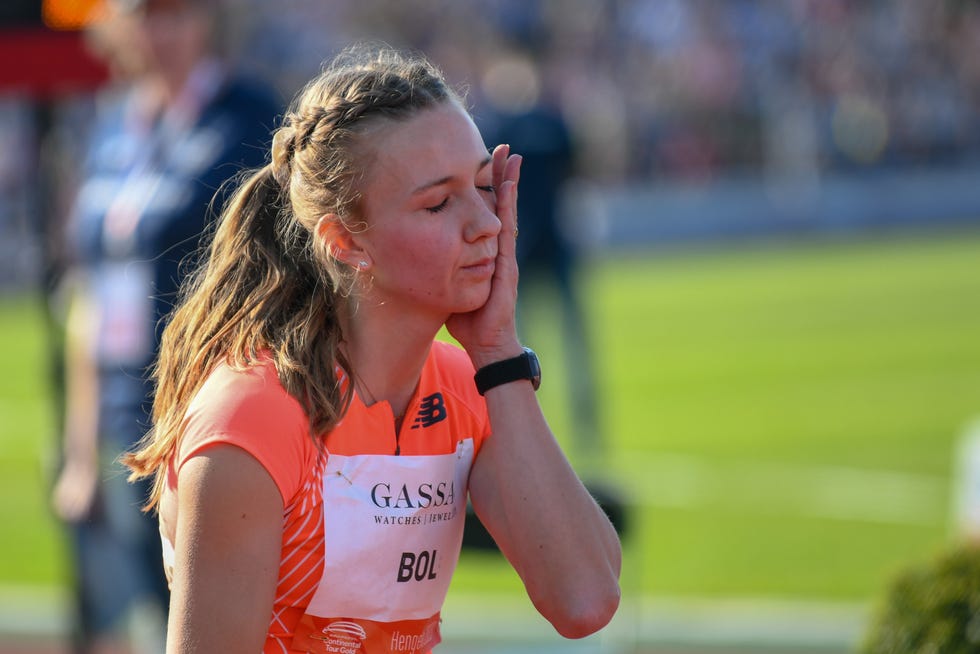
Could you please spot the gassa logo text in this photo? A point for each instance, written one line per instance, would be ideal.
(422, 497)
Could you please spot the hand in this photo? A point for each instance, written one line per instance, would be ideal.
(73, 497)
(489, 333)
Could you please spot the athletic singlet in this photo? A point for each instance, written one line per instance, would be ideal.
(446, 422)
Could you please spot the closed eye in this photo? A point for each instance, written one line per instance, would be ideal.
(442, 205)
(439, 207)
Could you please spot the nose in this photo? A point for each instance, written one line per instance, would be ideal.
(482, 221)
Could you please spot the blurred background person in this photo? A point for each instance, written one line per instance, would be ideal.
(180, 123)
(519, 108)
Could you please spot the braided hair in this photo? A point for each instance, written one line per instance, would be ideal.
(266, 284)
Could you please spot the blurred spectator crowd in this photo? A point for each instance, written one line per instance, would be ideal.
(652, 90)
(658, 89)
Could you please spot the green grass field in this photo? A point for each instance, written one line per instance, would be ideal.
(782, 418)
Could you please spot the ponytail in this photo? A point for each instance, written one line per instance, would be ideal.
(261, 289)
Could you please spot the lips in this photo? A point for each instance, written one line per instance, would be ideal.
(485, 265)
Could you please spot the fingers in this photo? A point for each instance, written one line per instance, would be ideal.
(506, 166)
(506, 174)
(500, 156)
(512, 169)
(507, 199)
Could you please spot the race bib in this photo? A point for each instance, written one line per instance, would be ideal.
(394, 528)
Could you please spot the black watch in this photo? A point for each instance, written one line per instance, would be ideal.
(525, 366)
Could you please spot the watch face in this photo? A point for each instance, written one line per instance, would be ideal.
(535, 367)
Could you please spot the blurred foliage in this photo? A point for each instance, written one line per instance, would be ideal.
(931, 607)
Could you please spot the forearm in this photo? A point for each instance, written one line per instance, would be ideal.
(74, 493)
(543, 518)
(81, 387)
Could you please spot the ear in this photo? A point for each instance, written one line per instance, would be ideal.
(341, 243)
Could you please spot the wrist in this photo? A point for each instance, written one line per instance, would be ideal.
(80, 452)
(522, 367)
(485, 356)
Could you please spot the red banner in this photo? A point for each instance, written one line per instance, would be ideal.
(45, 64)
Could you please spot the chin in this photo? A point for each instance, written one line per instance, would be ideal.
(472, 302)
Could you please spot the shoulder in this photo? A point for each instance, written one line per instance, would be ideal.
(250, 409)
(247, 402)
(242, 386)
(453, 363)
(251, 99)
(241, 118)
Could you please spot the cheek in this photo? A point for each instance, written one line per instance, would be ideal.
(419, 254)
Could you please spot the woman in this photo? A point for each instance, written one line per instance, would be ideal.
(313, 445)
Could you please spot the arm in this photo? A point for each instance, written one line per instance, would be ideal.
(543, 519)
(73, 495)
(523, 488)
(228, 539)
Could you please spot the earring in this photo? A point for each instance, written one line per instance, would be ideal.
(362, 264)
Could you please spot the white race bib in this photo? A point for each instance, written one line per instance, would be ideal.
(394, 528)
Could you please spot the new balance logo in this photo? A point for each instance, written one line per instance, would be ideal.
(433, 410)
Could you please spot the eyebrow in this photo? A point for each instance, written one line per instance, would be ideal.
(445, 180)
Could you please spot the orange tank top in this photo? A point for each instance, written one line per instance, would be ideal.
(250, 409)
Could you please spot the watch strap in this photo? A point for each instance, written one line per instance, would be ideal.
(523, 366)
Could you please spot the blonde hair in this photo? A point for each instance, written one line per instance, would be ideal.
(267, 284)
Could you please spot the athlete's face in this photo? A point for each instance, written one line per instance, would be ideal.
(429, 205)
